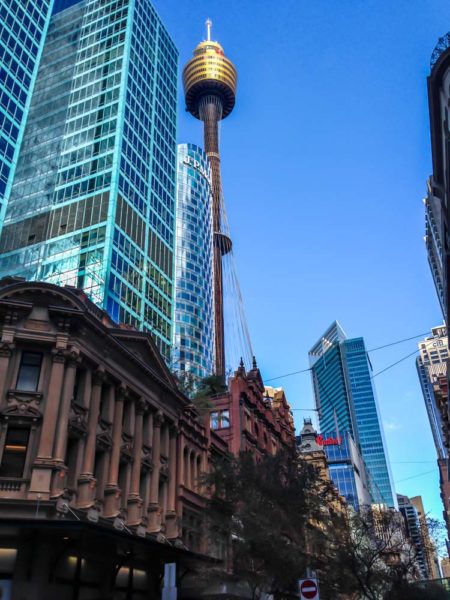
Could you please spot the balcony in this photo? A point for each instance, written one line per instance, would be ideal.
(12, 487)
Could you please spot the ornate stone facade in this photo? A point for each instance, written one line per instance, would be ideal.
(95, 440)
(252, 418)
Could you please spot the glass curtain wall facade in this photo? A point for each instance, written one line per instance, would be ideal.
(345, 398)
(194, 309)
(23, 26)
(347, 470)
(93, 200)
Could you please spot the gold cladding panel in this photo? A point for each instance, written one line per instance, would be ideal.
(209, 67)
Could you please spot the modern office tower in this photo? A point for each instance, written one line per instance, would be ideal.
(438, 199)
(93, 200)
(347, 469)
(344, 461)
(209, 80)
(346, 402)
(23, 26)
(193, 353)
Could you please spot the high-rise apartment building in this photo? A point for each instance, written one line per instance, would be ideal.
(23, 26)
(414, 532)
(416, 527)
(434, 241)
(346, 402)
(431, 367)
(431, 557)
(93, 199)
(432, 370)
(194, 304)
(437, 202)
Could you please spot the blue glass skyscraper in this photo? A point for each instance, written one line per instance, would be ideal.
(194, 304)
(345, 399)
(23, 25)
(93, 199)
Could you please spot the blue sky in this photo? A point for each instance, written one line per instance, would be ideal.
(325, 160)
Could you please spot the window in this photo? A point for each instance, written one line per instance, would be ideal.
(15, 452)
(220, 419)
(29, 371)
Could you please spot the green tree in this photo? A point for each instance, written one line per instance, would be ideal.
(280, 521)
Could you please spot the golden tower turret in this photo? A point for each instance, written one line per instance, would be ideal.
(209, 81)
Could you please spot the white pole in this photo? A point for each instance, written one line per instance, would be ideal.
(208, 29)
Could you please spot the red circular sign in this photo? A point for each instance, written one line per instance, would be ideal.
(308, 589)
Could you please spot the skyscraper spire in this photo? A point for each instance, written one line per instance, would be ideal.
(208, 24)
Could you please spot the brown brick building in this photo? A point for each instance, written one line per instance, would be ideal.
(100, 453)
(252, 418)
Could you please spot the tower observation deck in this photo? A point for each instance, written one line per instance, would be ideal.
(209, 81)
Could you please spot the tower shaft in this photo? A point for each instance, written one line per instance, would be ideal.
(210, 110)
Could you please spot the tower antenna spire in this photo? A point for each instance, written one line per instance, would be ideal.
(208, 24)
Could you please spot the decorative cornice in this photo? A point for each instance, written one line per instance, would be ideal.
(58, 355)
(158, 419)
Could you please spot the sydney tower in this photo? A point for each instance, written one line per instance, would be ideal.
(209, 80)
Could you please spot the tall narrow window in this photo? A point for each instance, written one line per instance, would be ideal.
(29, 371)
(15, 452)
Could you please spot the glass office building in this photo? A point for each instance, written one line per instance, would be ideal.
(347, 469)
(345, 399)
(93, 199)
(194, 324)
(23, 25)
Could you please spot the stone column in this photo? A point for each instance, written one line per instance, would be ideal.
(134, 499)
(64, 409)
(86, 482)
(154, 524)
(187, 470)
(84, 403)
(171, 514)
(41, 476)
(112, 491)
(59, 480)
(195, 474)
(48, 429)
(5, 356)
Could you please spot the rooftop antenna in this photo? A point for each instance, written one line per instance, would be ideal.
(208, 29)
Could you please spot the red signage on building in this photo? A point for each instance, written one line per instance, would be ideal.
(329, 441)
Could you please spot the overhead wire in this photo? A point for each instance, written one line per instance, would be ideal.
(394, 364)
(368, 351)
(414, 476)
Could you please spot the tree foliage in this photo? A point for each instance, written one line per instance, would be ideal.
(278, 518)
(285, 522)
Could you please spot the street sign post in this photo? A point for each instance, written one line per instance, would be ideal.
(169, 591)
(309, 589)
